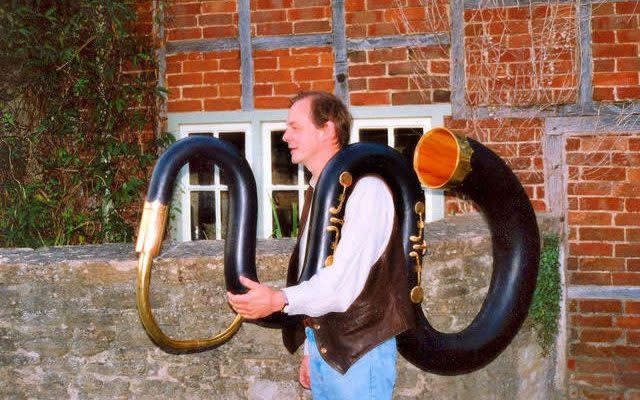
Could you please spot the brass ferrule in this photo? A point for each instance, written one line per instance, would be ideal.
(152, 225)
(442, 159)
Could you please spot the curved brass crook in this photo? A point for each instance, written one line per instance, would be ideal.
(150, 236)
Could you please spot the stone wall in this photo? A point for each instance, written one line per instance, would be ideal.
(69, 327)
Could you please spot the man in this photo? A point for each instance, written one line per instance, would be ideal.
(356, 307)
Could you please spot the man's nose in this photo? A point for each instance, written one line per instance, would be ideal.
(286, 136)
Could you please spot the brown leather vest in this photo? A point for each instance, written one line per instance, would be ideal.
(381, 311)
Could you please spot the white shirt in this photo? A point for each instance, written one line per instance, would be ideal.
(368, 222)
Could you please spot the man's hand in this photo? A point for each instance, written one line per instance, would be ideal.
(258, 302)
(305, 378)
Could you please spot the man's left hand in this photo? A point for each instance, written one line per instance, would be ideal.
(258, 302)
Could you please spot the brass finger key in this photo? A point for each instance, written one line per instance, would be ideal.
(419, 248)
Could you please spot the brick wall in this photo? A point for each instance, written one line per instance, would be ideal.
(290, 17)
(366, 18)
(604, 349)
(518, 142)
(204, 81)
(398, 76)
(604, 210)
(521, 55)
(280, 74)
(616, 40)
(189, 19)
(604, 249)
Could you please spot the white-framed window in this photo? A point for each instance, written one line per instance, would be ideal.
(204, 197)
(402, 134)
(284, 184)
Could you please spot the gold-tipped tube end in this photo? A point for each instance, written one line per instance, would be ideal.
(151, 231)
(442, 159)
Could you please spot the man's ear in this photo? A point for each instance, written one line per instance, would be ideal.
(330, 131)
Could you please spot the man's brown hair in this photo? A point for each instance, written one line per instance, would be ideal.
(327, 107)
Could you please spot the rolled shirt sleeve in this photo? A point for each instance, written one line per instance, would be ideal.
(368, 222)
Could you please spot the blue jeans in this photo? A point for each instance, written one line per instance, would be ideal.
(372, 377)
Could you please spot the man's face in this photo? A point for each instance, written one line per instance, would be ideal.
(302, 136)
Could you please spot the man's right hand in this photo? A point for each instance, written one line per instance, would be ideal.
(305, 378)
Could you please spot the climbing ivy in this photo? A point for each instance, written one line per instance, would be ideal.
(545, 309)
(78, 99)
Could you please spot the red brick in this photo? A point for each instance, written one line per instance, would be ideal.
(184, 79)
(354, 5)
(625, 278)
(600, 306)
(413, 97)
(215, 19)
(628, 64)
(271, 102)
(269, 4)
(200, 65)
(627, 250)
(181, 21)
(604, 65)
(219, 31)
(366, 70)
(633, 265)
(632, 307)
(609, 22)
(377, 4)
(604, 37)
(301, 27)
(600, 335)
(222, 77)
(624, 219)
(633, 337)
(615, 79)
(313, 74)
(604, 143)
(263, 90)
(381, 29)
(184, 9)
(222, 104)
(626, 190)
(387, 55)
(260, 16)
(601, 203)
(627, 351)
(601, 366)
(589, 218)
(591, 249)
(589, 188)
(230, 90)
(602, 264)
(275, 28)
(311, 13)
(603, 94)
(601, 234)
(582, 349)
(273, 76)
(633, 235)
(590, 278)
(199, 92)
(628, 93)
(595, 380)
(218, 6)
(603, 174)
(399, 83)
(627, 7)
(371, 98)
(311, 3)
(184, 106)
(184, 34)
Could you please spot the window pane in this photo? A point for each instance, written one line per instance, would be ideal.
(406, 140)
(203, 215)
(201, 169)
(283, 172)
(374, 135)
(285, 222)
(237, 140)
